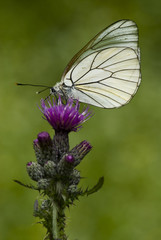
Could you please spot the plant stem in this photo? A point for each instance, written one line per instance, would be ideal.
(58, 223)
(54, 222)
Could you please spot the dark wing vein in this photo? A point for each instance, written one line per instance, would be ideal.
(114, 88)
(101, 95)
(116, 62)
(77, 65)
(129, 69)
(122, 79)
(88, 83)
(113, 56)
(98, 65)
(89, 97)
(115, 29)
(121, 35)
(100, 82)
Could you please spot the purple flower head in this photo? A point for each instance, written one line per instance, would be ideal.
(64, 117)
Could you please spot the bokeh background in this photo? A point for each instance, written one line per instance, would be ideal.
(37, 39)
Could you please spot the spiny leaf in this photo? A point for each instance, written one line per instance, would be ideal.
(26, 185)
(95, 188)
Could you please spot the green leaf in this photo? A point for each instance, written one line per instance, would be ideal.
(25, 185)
(95, 188)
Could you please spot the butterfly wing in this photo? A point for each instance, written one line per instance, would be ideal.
(106, 72)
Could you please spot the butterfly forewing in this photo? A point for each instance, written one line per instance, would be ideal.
(106, 72)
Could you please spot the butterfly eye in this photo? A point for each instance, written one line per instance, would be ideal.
(52, 90)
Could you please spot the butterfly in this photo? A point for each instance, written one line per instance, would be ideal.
(106, 72)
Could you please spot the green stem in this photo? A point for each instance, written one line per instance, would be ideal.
(54, 222)
(61, 224)
(58, 223)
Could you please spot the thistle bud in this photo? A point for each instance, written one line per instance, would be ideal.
(35, 171)
(66, 165)
(80, 151)
(44, 139)
(69, 158)
(50, 169)
(43, 148)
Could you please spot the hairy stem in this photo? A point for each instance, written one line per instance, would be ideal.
(61, 224)
(54, 222)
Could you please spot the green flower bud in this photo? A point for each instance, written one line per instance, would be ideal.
(35, 171)
(50, 169)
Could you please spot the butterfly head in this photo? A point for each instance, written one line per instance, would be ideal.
(59, 90)
(62, 90)
(56, 89)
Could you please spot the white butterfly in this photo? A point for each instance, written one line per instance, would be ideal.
(106, 72)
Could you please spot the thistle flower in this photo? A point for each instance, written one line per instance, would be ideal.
(64, 117)
(54, 172)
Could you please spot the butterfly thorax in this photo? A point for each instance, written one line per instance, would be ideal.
(61, 89)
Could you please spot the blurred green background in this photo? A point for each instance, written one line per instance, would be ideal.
(37, 39)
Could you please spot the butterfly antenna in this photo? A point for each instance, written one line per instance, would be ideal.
(42, 90)
(32, 85)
